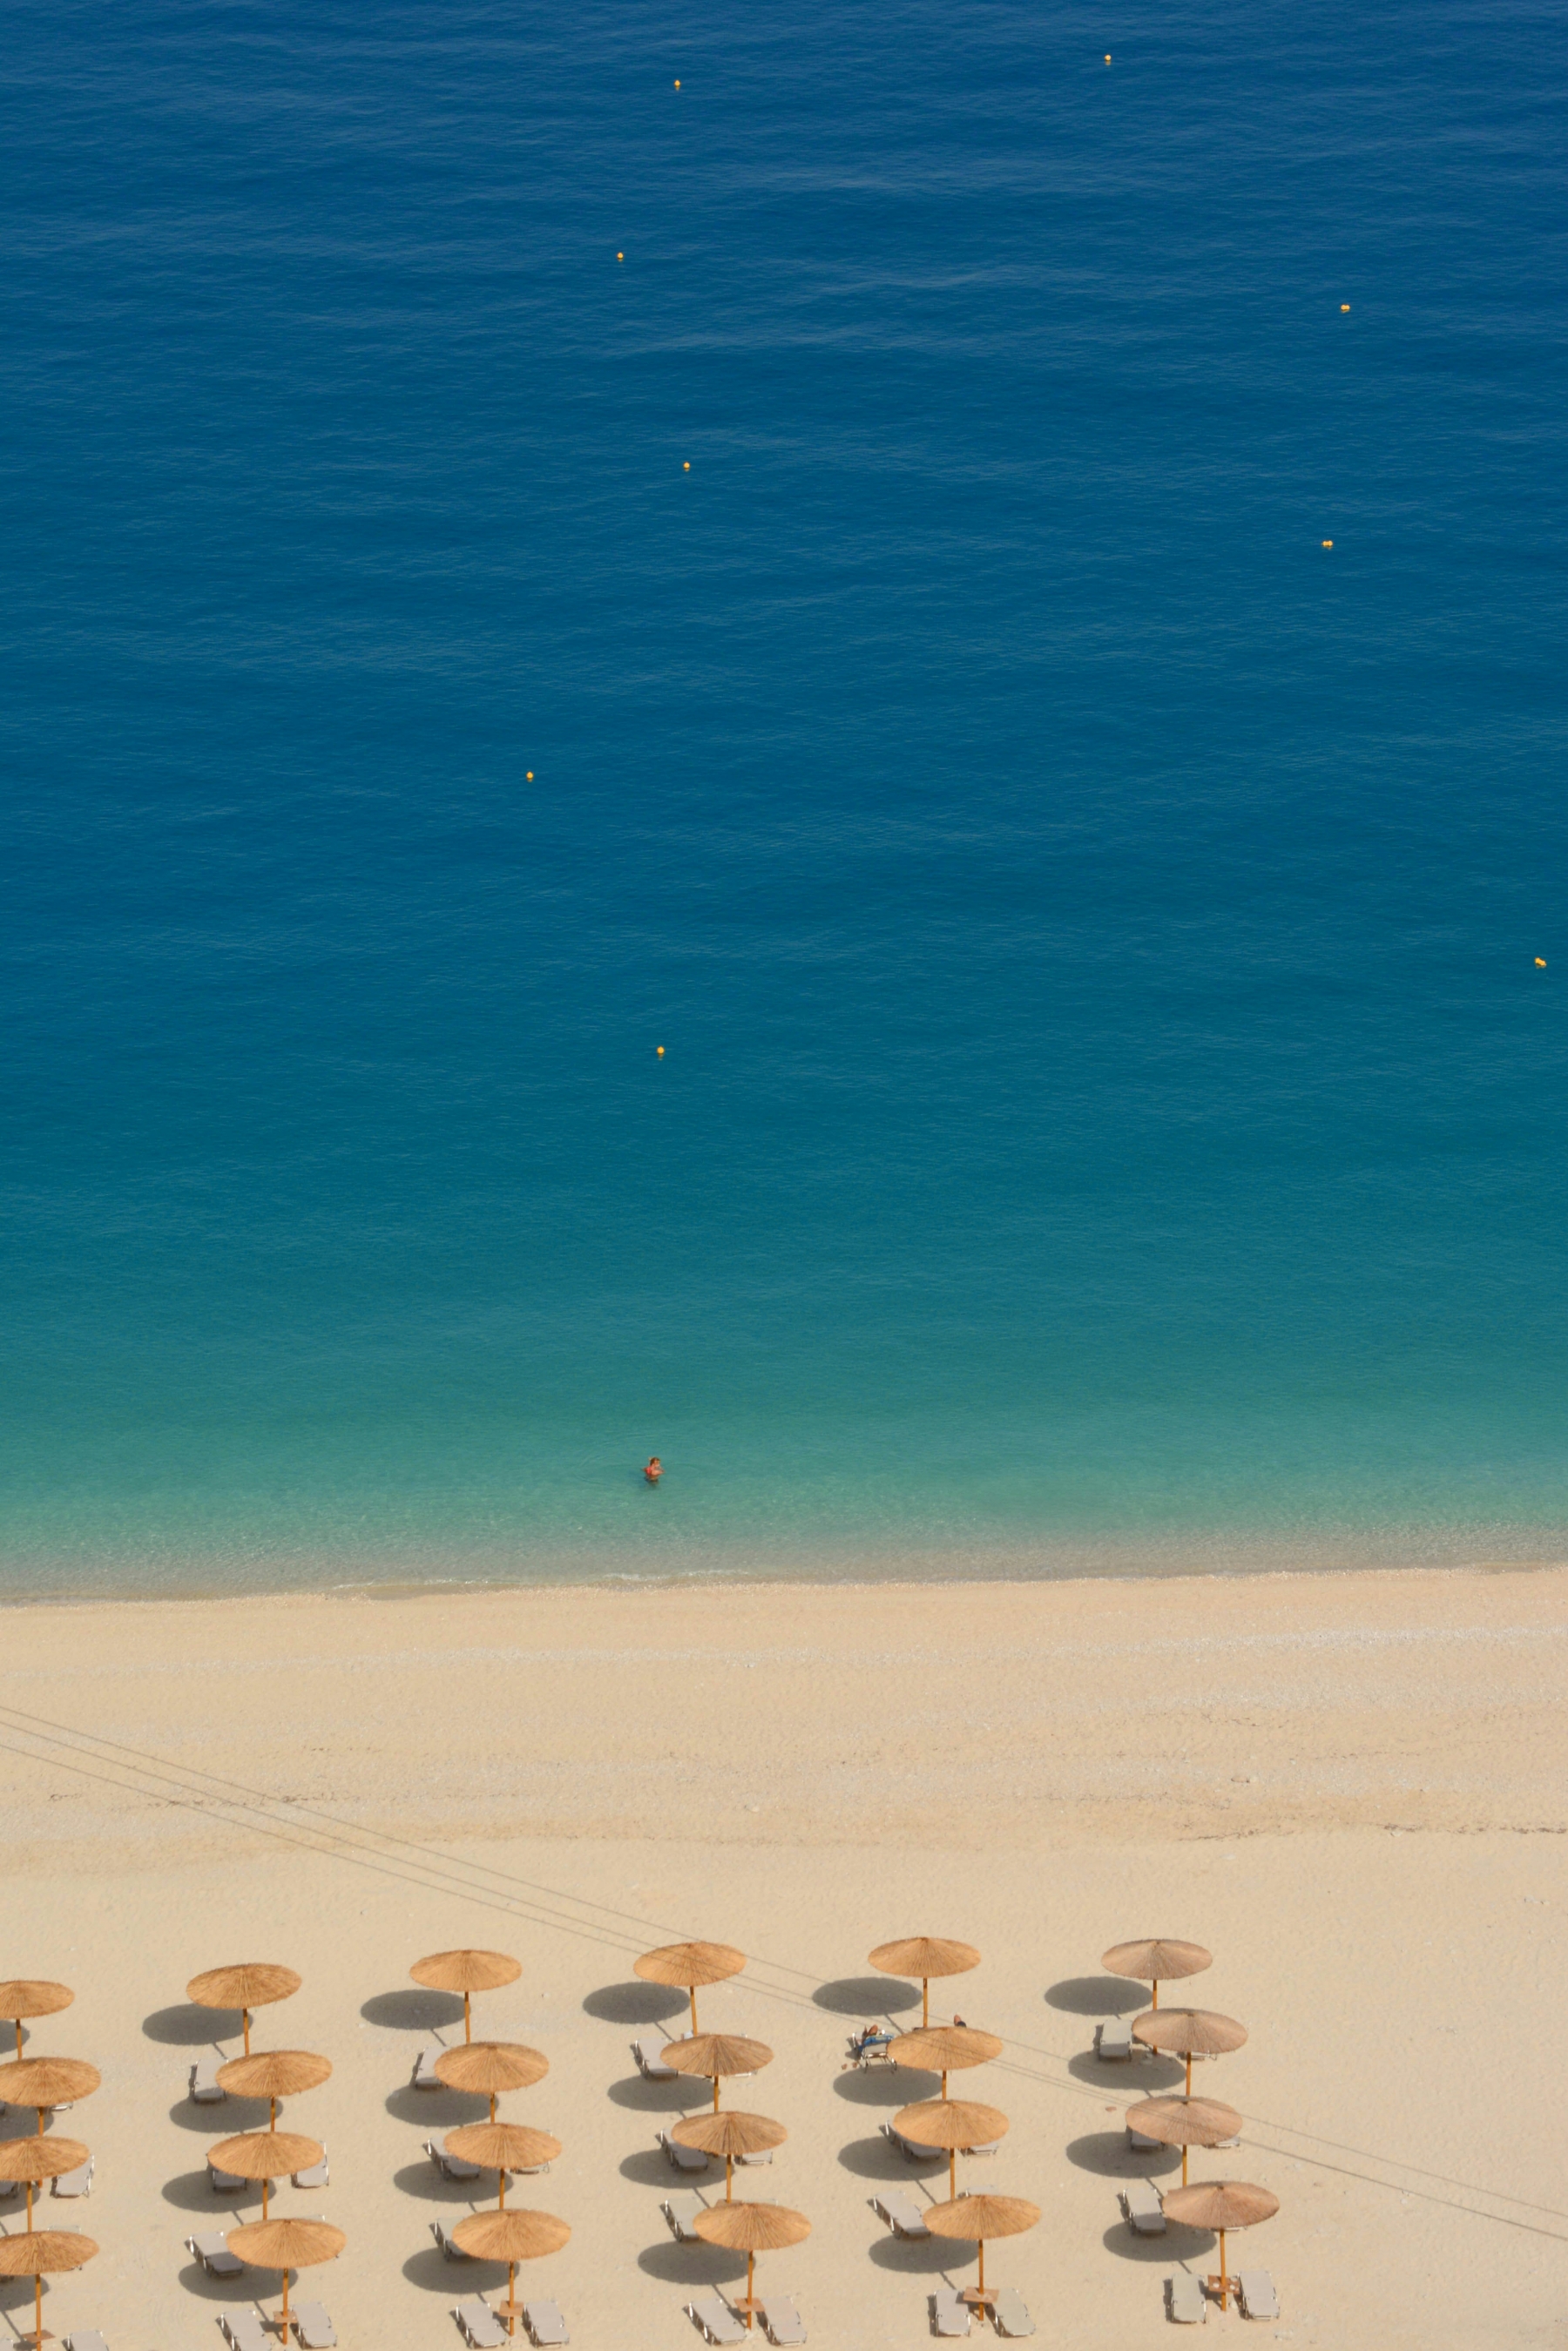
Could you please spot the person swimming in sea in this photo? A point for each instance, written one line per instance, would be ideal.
(654, 1471)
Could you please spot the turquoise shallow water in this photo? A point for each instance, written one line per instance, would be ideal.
(1111, 1114)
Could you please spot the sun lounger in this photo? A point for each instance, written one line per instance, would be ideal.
(911, 2148)
(650, 2066)
(716, 2318)
(1184, 2299)
(1010, 2312)
(86, 2339)
(481, 2327)
(900, 2210)
(684, 2158)
(1141, 2205)
(225, 2183)
(452, 2166)
(680, 2211)
(424, 2076)
(243, 2330)
(545, 2322)
(213, 2251)
(1139, 2144)
(1113, 2041)
(1255, 2291)
(782, 2321)
(315, 2175)
(949, 2312)
(992, 2147)
(206, 2090)
(74, 2183)
(450, 2248)
(9, 2187)
(763, 2155)
(314, 2328)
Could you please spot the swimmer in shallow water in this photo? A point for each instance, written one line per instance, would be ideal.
(654, 1471)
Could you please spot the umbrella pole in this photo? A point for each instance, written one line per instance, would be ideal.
(730, 2178)
(982, 2266)
(750, 2272)
(1184, 2167)
(715, 2094)
(467, 2031)
(952, 2172)
(29, 2205)
(492, 2105)
(38, 2310)
(503, 2203)
(285, 2305)
(272, 2113)
(692, 1989)
(925, 2000)
(18, 2036)
(1224, 2284)
(511, 2297)
(40, 2122)
(1190, 2075)
(265, 2185)
(1156, 1991)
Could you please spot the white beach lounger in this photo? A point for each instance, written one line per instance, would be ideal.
(450, 2248)
(545, 2322)
(1184, 2299)
(206, 2090)
(1140, 2145)
(74, 2183)
(650, 2066)
(1114, 2041)
(225, 2183)
(1141, 2203)
(86, 2339)
(1255, 2291)
(213, 2251)
(424, 2076)
(9, 2187)
(949, 2312)
(451, 2167)
(480, 2326)
(716, 2318)
(782, 2321)
(900, 2210)
(315, 2175)
(680, 2211)
(684, 2158)
(1010, 2312)
(993, 2147)
(243, 2331)
(314, 2328)
(911, 2148)
(763, 2155)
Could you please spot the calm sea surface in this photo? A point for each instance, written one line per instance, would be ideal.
(1111, 1114)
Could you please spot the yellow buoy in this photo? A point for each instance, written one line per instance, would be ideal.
(1541, 963)
(677, 85)
(1344, 305)
(620, 256)
(530, 776)
(688, 466)
(1107, 57)
(660, 1050)
(1328, 542)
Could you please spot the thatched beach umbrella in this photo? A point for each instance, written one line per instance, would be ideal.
(274, 2074)
(286, 2245)
(718, 2056)
(467, 1972)
(751, 2229)
(1220, 2204)
(519, 2235)
(33, 2161)
(955, 2124)
(40, 2253)
(729, 2135)
(1158, 1961)
(1186, 2122)
(921, 1957)
(252, 1983)
(943, 2049)
(266, 2156)
(978, 2218)
(47, 2082)
(30, 1996)
(686, 1966)
(1188, 2033)
(503, 2147)
(486, 2068)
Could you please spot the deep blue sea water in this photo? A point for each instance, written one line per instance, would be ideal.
(1111, 1114)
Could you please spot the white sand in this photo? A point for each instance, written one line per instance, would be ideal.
(1350, 1787)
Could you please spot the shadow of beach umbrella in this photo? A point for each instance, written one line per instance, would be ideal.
(254, 1983)
(286, 2245)
(46, 2083)
(503, 2147)
(486, 2068)
(274, 2074)
(29, 1996)
(40, 2253)
(954, 2123)
(1188, 2033)
(1220, 2204)
(33, 2161)
(467, 1972)
(1186, 2122)
(751, 2229)
(921, 1957)
(719, 2056)
(943, 2049)
(519, 2235)
(729, 2135)
(1157, 1961)
(266, 2156)
(686, 1967)
(978, 2218)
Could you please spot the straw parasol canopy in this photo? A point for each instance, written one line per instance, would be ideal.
(923, 1957)
(46, 2082)
(254, 1983)
(944, 2049)
(286, 2245)
(519, 2235)
(274, 2074)
(467, 1972)
(729, 2135)
(266, 2156)
(486, 2068)
(686, 1966)
(751, 2229)
(1188, 2033)
(40, 2253)
(503, 2147)
(717, 2056)
(30, 1996)
(978, 2218)
(1186, 2122)
(33, 2161)
(1157, 1961)
(955, 2124)
(1220, 2204)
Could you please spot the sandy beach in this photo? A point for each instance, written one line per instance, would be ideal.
(1350, 1787)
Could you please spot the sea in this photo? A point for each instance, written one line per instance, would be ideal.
(825, 739)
